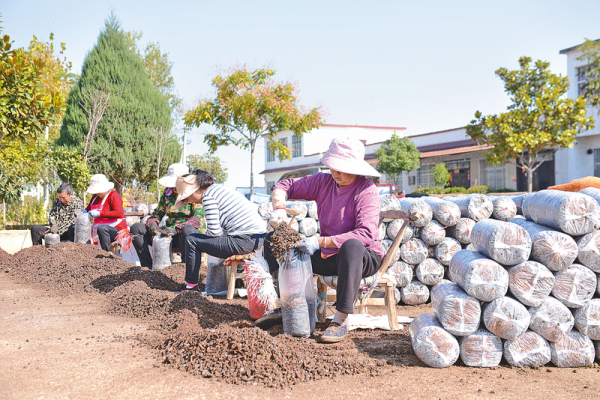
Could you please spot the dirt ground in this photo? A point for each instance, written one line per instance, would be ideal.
(75, 344)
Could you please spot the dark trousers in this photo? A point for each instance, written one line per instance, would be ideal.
(353, 262)
(38, 232)
(220, 247)
(106, 235)
(142, 238)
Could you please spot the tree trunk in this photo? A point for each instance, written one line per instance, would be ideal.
(252, 172)
(119, 188)
(529, 181)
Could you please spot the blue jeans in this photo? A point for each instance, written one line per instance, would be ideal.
(220, 247)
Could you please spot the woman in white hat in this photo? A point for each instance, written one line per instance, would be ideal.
(233, 225)
(349, 246)
(187, 220)
(106, 207)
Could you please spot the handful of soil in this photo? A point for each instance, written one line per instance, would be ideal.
(284, 239)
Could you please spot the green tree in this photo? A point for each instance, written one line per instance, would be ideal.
(158, 66)
(441, 176)
(591, 54)
(397, 155)
(209, 163)
(539, 119)
(31, 99)
(250, 104)
(70, 167)
(134, 109)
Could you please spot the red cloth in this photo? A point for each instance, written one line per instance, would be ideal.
(113, 208)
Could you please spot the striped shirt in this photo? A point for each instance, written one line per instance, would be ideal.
(230, 213)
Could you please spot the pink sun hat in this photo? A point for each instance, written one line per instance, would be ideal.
(348, 156)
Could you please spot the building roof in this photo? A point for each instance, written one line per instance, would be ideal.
(457, 150)
(365, 126)
(570, 49)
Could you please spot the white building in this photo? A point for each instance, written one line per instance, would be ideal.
(584, 158)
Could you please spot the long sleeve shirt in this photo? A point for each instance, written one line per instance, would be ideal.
(230, 213)
(64, 215)
(351, 212)
(112, 209)
(190, 214)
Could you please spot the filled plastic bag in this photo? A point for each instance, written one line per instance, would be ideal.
(382, 227)
(414, 251)
(313, 212)
(216, 276)
(445, 212)
(481, 349)
(161, 252)
(530, 282)
(458, 312)
(300, 207)
(504, 242)
(475, 206)
(83, 227)
(386, 244)
(589, 250)
(574, 286)
(431, 343)
(394, 227)
(552, 319)
(415, 293)
(506, 317)
(389, 202)
(446, 249)
(505, 208)
(51, 238)
(430, 271)
(307, 226)
(554, 249)
(400, 273)
(461, 231)
(572, 350)
(418, 207)
(265, 209)
(297, 292)
(571, 213)
(433, 233)
(478, 275)
(528, 350)
(587, 319)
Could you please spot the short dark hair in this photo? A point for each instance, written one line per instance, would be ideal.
(204, 179)
(65, 188)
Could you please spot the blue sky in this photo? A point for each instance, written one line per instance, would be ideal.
(426, 65)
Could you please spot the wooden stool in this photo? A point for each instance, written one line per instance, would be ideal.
(232, 264)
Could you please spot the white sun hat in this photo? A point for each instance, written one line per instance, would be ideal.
(99, 184)
(173, 172)
(348, 156)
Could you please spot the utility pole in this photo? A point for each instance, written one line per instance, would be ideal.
(183, 159)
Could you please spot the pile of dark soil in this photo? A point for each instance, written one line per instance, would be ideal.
(204, 336)
(252, 356)
(284, 239)
(65, 267)
(4, 258)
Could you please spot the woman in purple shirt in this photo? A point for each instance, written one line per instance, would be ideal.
(349, 246)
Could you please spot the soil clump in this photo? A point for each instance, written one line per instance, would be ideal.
(283, 240)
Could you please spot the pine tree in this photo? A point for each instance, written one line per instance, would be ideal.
(124, 148)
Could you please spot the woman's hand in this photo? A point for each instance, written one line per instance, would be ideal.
(279, 215)
(95, 213)
(308, 245)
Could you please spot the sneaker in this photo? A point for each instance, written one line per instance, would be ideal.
(184, 288)
(269, 319)
(335, 333)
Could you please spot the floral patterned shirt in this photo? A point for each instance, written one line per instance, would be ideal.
(191, 214)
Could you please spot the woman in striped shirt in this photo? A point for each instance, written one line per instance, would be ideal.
(233, 225)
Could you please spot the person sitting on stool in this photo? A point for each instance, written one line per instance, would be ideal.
(187, 220)
(106, 207)
(62, 215)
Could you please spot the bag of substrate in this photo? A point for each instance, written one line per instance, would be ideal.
(574, 286)
(481, 349)
(431, 343)
(83, 227)
(552, 319)
(530, 282)
(572, 350)
(528, 350)
(161, 252)
(458, 312)
(587, 319)
(297, 293)
(216, 276)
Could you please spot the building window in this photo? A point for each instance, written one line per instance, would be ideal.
(582, 75)
(296, 146)
(493, 177)
(425, 173)
(270, 155)
(597, 162)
